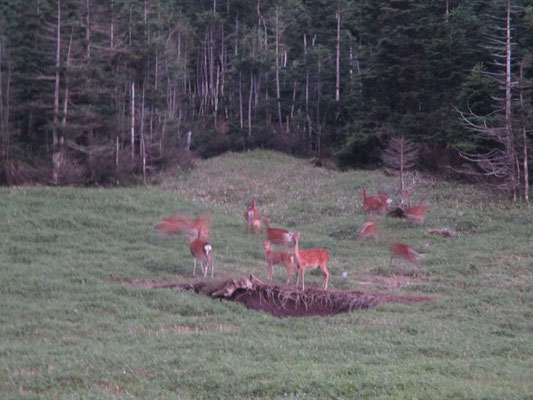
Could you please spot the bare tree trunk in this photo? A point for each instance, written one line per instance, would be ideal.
(156, 69)
(4, 109)
(217, 89)
(318, 98)
(88, 28)
(56, 151)
(116, 158)
(278, 99)
(132, 118)
(293, 99)
(223, 58)
(250, 105)
(143, 141)
(307, 118)
(211, 67)
(112, 27)
(337, 65)
(525, 151)
(66, 95)
(508, 124)
(240, 100)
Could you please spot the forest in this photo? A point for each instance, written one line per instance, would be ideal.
(111, 92)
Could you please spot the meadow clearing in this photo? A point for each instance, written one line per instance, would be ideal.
(76, 321)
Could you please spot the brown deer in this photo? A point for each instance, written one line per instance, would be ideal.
(253, 218)
(368, 229)
(416, 214)
(375, 204)
(281, 237)
(310, 259)
(277, 257)
(201, 250)
(400, 250)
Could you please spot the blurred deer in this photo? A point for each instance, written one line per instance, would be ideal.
(201, 250)
(376, 204)
(416, 214)
(253, 218)
(310, 259)
(405, 252)
(281, 237)
(276, 257)
(182, 223)
(368, 229)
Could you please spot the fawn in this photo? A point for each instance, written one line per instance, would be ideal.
(277, 236)
(277, 257)
(182, 223)
(310, 259)
(253, 217)
(201, 250)
(400, 250)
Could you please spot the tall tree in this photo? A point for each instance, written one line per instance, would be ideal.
(500, 162)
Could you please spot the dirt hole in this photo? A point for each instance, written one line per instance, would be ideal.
(282, 301)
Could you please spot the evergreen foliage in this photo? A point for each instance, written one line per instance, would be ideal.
(135, 77)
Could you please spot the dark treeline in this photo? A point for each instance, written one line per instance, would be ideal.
(102, 91)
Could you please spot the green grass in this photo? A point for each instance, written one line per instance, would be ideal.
(71, 328)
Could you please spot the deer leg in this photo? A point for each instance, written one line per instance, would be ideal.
(289, 273)
(326, 278)
(194, 269)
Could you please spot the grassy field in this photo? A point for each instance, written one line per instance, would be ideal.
(73, 323)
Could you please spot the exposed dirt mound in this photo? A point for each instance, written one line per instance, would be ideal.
(285, 301)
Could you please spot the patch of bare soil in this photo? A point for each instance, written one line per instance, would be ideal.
(282, 301)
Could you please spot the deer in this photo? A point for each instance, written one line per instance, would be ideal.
(416, 214)
(368, 229)
(281, 237)
(182, 223)
(310, 259)
(400, 250)
(376, 204)
(201, 250)
(253, 218)
(277, 257)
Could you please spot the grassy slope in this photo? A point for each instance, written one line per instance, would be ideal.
(69, 329)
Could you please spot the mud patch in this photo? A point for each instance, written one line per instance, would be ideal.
(282, 301)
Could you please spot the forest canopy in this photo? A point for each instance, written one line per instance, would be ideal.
(98, 92)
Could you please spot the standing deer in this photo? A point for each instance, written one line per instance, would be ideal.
(376, 204)
(201, 250)
(400, 250)
(281, 237)
(276, 257)
(253, 217)
(310, 259)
